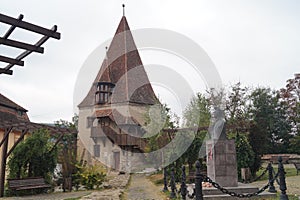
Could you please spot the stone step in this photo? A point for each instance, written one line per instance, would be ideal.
(214, 193)
(265, 195)
(240, 189)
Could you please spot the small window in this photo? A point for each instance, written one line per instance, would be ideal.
(90, 121)
(97, 150)
(103, 93)
(102, 122)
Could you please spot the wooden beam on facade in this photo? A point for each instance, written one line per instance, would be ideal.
(21, 45)
(11, 60)
(28, 26)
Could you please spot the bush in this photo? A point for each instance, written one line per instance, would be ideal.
(245, 154)
(34, 157)
(89, 176)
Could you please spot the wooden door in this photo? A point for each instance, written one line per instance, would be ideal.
(117, 160)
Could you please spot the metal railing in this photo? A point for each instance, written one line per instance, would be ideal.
(199, 178)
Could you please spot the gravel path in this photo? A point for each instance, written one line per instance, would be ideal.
(51, 196)
(140, 188)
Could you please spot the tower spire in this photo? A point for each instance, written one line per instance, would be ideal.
(123, 5)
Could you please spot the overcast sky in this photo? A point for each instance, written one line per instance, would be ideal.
(253, 41)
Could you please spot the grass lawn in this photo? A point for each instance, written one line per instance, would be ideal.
(289, 169)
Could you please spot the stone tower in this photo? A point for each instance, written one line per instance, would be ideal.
(112, 114)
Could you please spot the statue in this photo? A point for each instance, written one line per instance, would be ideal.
(217, 128)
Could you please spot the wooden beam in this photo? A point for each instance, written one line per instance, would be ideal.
(6, 71)
(11, 60)
(7, 132)
(26, 53)
(21, 125)
(28, 26)
(57, 141)
(12, 28)
(3, 161)
(17, 142)
(21, 45)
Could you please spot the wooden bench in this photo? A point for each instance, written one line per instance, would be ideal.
(274, 159)
(297, 166)
(27, 183)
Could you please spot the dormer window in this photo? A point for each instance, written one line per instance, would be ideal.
(103, 92)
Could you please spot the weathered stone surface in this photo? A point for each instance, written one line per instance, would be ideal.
(221, 162)
(113, 188)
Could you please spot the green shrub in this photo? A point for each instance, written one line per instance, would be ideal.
(89, 176)
(34, 157)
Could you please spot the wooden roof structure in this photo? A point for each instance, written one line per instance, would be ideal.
(28, 48)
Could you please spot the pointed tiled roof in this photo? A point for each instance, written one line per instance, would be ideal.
(125, 69)
(9, 110)
(6, 102)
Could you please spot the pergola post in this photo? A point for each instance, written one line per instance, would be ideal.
(3, 160)
(17, 142)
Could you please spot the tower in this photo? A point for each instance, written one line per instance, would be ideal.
(112, 115)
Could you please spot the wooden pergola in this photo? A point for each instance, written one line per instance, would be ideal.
(28, 48)
(22, 126)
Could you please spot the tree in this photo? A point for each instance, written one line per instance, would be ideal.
(261, 112)
(244, 152)
(196, 115)
(291, 96)
(157, 119)
(280, 126)
(237, 108)
(36, 156)
(295, 144)
(67, 151)
(268, 131)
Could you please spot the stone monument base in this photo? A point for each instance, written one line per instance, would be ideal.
(215, 194)
(221, 162)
